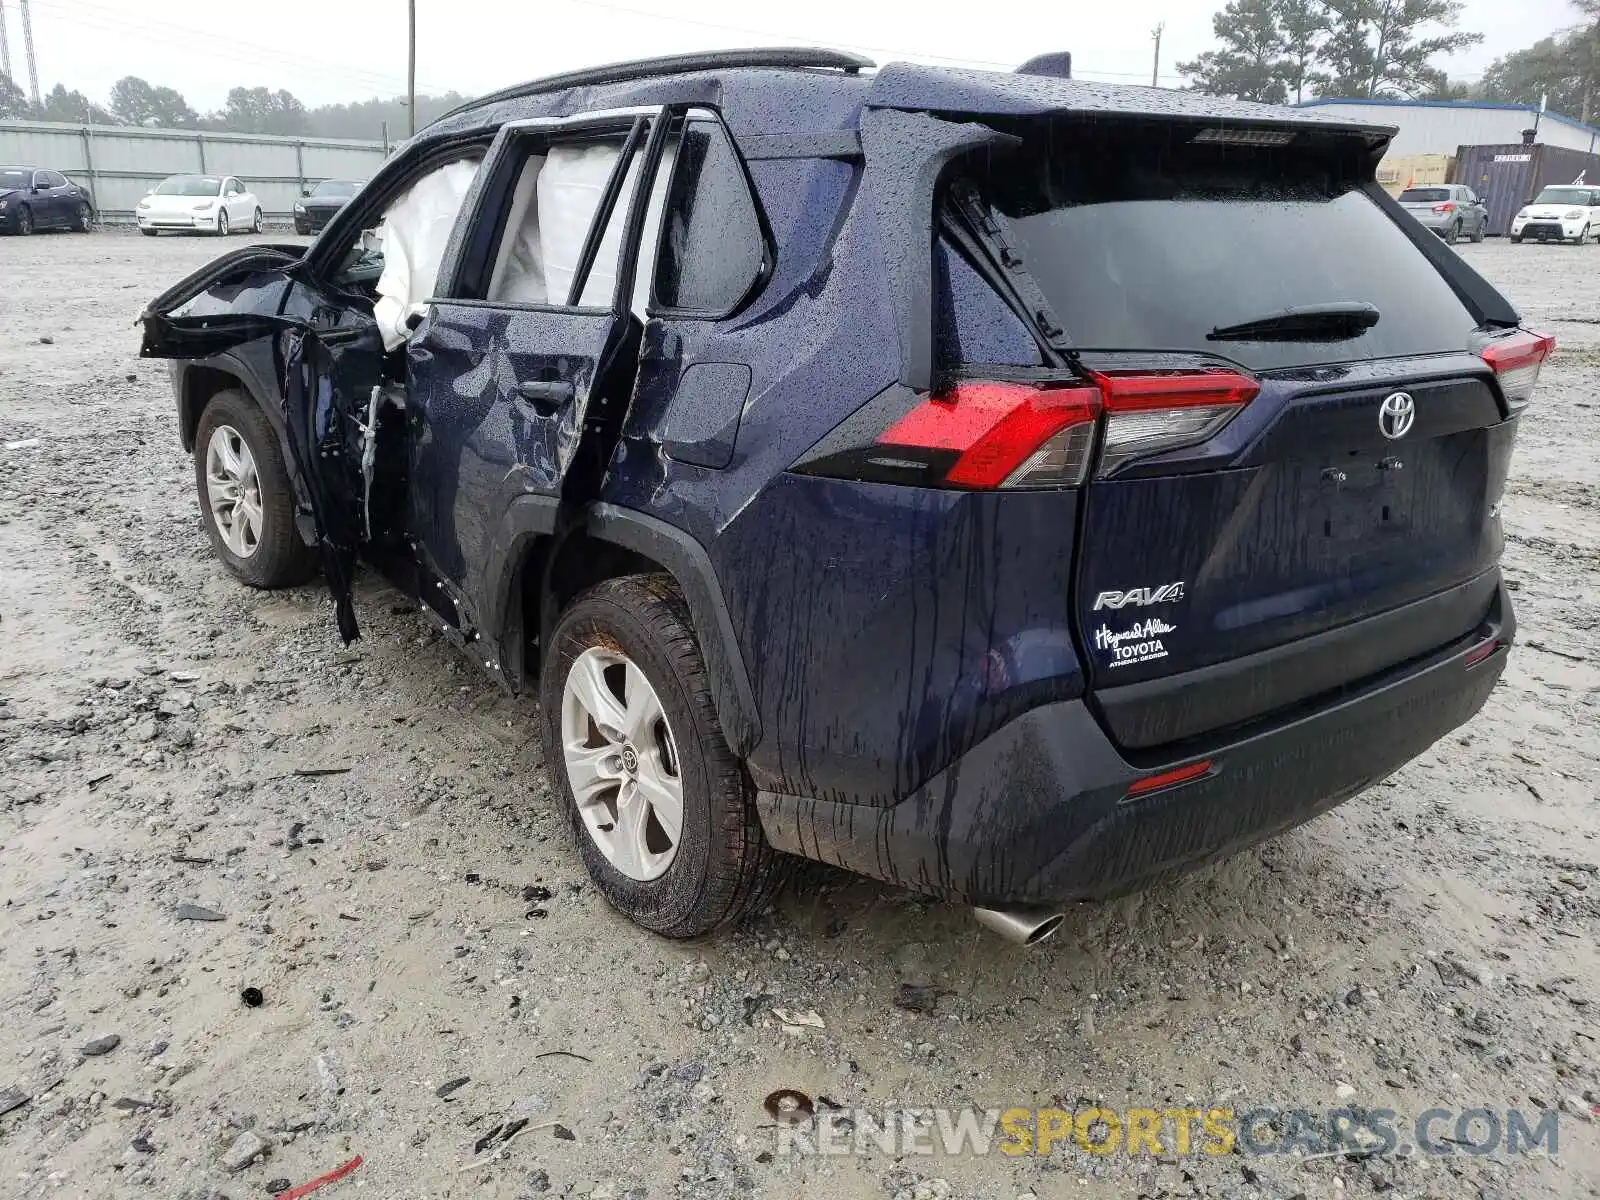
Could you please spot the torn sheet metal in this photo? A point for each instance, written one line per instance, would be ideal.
(414, 232)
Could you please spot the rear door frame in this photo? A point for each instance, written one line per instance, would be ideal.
(478, 598)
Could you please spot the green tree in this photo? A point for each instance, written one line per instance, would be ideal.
(1250, 62)
(1385, 47)
(64, 104)
(1305, 26)
(14, 104)
(366, 118)
(140, 103)
(262, 110)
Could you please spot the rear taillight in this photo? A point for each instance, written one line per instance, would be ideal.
(986, 434)
(1151, 413)
(1004, 434)
(1515, 360)
(1446, 207)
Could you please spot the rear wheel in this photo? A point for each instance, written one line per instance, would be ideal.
(246, 499)
(662, 811)
(82, 219)
(222, 222)
(24, 221)
(149, 232)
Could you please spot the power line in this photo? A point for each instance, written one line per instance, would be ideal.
(228, 47)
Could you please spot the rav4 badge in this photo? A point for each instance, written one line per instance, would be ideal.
(1140, 597)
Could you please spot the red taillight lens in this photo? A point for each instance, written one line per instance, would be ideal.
(1150, 413)
(1444, 208)
(985, 434)
(1005, 434)
(1516, 360)
(1166, 779)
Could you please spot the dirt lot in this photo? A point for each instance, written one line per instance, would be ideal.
(420, 917)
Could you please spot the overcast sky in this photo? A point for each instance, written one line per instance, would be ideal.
(339, 50)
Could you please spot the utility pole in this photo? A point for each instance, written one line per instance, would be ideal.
(5, 46)
(27, 49)
(1155, 70)
(411, 71)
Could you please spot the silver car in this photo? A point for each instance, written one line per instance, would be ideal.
(1449, 209)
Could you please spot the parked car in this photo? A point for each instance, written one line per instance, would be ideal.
(1560, 214)
(216, 204)
(316, 208)
(1450, 210)
(39, 198)
(979, 482)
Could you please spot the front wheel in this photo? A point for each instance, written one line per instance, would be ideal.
(246, 500)
(1515, 240)
(1582, 237)
(663, 812)
(1454, 235)
(1481, 232)
(255, 222)
(222, 222)
(149, 232)
(24, 221)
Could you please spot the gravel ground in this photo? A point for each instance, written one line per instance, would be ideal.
(419, 917)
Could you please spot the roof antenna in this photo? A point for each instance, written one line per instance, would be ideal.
(1057, 65)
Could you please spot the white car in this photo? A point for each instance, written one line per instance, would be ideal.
(1560, 213)
(216, 204)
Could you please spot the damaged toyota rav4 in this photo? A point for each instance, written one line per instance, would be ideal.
(1016, 489)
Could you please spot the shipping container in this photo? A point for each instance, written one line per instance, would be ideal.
(1397, 172)
(1506, 177)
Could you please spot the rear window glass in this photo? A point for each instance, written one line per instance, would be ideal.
(1424, 195)
(1142, 240)
(15, 179)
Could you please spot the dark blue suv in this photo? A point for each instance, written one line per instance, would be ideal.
(1016, 489)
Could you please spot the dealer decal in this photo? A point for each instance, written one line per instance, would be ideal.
(1141, 643)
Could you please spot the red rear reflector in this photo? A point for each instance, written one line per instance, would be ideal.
(1153, 783)
(1481, 652)
(1516, 360)
(997, 428)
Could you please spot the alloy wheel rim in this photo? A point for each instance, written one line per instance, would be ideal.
(233, 490)
(622, 763)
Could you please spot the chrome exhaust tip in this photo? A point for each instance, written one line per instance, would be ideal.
(1024, 926)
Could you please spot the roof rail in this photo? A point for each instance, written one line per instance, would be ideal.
(788, 57)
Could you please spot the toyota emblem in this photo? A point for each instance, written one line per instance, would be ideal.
(1396, 415)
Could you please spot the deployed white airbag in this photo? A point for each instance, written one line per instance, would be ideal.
(414, 232)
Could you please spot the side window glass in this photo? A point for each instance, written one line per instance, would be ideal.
(57, 180)
(41, 179)
(712, 249)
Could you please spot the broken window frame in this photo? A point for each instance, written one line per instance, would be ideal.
(470, 261)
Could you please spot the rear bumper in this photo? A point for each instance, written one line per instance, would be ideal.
(1040, 813)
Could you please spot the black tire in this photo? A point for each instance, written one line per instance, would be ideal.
(224, 226)
(82, 219)
(1582, 237)
(255, 222)
(1454, 235)
(24, 221)
(281, 558)
(1481, 232)
(149, 232)
(723, 869)
(1515, 240)
(302, 230)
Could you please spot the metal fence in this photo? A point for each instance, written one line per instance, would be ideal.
(119, 164)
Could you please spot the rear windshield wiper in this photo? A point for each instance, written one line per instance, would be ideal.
(1307, 323)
